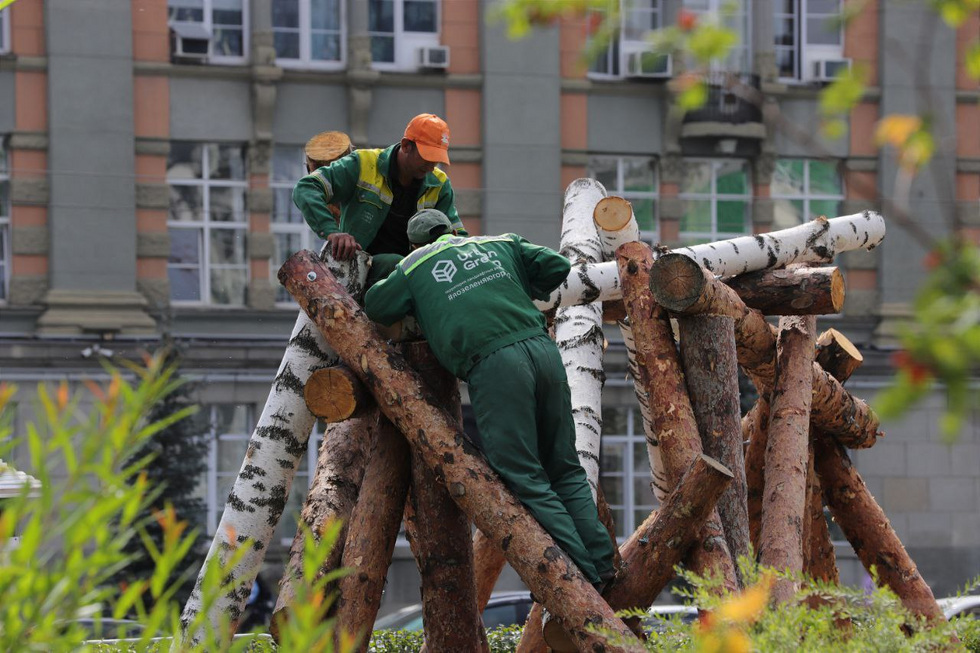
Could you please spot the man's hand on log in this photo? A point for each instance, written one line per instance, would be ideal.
(342, 246)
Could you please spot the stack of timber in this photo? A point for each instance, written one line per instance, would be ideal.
(395, 451)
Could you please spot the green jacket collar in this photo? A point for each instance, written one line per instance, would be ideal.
(384, 164)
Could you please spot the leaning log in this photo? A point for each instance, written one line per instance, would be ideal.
(755, 431)
(671, 414)
(439, 533)
(711, 370)
(834, 409)
(372, 533)
(333, 493)
(488, 562)
(403, 398)
(817, 241)
(796, 290)
(819, 557)
(335, 393)
(784, 497)
(277, 444)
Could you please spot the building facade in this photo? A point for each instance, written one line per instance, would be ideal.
(148, 149)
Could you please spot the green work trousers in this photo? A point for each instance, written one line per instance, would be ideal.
(523, 409)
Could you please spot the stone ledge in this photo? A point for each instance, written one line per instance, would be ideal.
(753, 130)
(261, 245)
(861, 164)
(968, 213)
(29, 241)
(152, 146)
(24, 140)
(261, 294)
(153, 245)
(156, 292)
(27, 290)
(763, 210)
(152, 196)
(260, 200)
(74, 312)
(29, 191)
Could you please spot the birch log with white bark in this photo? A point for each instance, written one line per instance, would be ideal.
(820, 240)
(578, 329)
(258, 497)
(616, 224)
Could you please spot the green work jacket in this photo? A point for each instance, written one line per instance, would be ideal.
(471, 296)
(359, 183)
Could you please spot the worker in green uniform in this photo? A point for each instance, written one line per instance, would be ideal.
(472, 298)
(378, 190)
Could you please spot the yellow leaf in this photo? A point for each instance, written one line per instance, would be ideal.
(896, 129)
(747, 607)
(737, 642)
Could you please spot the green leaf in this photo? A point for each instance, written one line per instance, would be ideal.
(844, 92)
(711, 43)
(694, 96)
(973, 60)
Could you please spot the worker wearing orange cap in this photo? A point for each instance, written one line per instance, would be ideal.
(379, 190)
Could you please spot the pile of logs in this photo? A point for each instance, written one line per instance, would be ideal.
(395, 451)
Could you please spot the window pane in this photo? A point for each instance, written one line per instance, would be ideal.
(287, 44)
(185, 245)
(288, 164)
(733, 178)
(612, 488)
(613, 454)
(827, 208)
(285, 13)
(226, 162)
(420, 16)
(227, 246)
(822, 31)
(642, 494)
(787, 177)
(227, 42)
(787, 213)
(638, 175)
(283, 209)
(697, 215)
(231, 453)
(785, 31)
(697, 177)
(232, 418)
(823, 6)
(645, 211)
(325, 47)
(786, 62)
(614, 420)
(228, 286)
(186, 203)
(824, 178)
(286, 529)
(604, 171)
(185, 284)
(287, 245)
(4, 198)
(184, 160)
(191, 11)
(732, 216)
(325, 14)
(381, 15)
(227, 205)
(785, 6)
(382, 49)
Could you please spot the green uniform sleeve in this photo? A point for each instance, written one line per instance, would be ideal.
(389, 300)
(447, 204)
(331, 183)
(545, 267)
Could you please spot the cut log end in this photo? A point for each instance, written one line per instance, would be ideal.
(837, 290)
(333, 394)
(612, 213)
(676, 281)
(712, 462)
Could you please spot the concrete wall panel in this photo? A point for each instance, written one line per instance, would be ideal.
(303, 110)
(7, 107)
(627, 125)
(392, 108)
(805, 115)
(210, 110)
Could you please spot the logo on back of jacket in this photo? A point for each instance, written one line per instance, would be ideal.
(445, 270)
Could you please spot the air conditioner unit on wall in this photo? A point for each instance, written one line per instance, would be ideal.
(824, 70)
(434, 57)
(189, 42)
(648, 64)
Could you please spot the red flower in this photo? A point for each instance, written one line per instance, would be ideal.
(687, 20)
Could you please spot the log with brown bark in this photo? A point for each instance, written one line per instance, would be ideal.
(372, 533)
(834, 409)
(838, 355)
(710, 367)
(335, 393)
(794, 290)
(488, 562)
(819, 558)
(784, 497)
(333, 493)
(755, 431)
(439, 533)
(671, 414)
(403, 398)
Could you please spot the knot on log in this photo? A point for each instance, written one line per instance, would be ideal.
(457, 490)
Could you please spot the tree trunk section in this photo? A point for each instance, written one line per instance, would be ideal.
(837, 355)
(277, 444)
(488, 562)
(671, 415)
(755, 431)
(333, 494)
(335, 394)
(784, 498)
(439, 533)
(819, 240)
(371, 535)
(402, 397)
(794, 290)
(682, 286)
(819, 558)
(710, 367)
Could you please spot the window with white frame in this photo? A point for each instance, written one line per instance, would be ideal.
(224, 23)
(289, 229)
(309, 33)
(626, 475)
(399, 29)
(803, 189)
(4, 31)
(231, 429)
(628, 53)
(208, 223)
(717, 200)
(809, 39)
(4, 223)
(634, 179)
(734, 15)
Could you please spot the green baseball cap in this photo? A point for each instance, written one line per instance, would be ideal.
(427, 225)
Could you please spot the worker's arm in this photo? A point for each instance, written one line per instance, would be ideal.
(312, 194)
(545, 267)
(447, 204)
(389, 300)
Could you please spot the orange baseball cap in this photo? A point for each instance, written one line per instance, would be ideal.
(430, 133)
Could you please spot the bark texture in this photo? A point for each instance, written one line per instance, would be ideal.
(334, 394)
(476, 489)
(850, 419)
(488, 562)
(439, 533)
(819, 240)
(672, 417)
(277, 444)
(372, 533)
(819, 558)
(795, 290)
(710, 367)
(755, 431)
(333, 493)
(784, 498)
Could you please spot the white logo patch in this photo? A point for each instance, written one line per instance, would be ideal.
(445, 140)
(444, 271)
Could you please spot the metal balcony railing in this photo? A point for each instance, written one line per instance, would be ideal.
(732, 98)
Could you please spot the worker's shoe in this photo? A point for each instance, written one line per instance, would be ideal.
(555, 635)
